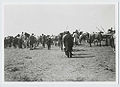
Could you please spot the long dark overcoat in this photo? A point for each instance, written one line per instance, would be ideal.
(68, 42)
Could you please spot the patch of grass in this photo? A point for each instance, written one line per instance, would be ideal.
(14, 69)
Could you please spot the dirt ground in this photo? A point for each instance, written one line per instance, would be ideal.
(87, 64)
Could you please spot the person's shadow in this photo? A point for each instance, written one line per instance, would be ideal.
(82, 56)
(76, 50)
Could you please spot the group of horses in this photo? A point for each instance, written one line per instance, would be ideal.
(24, 40)
(97, 39)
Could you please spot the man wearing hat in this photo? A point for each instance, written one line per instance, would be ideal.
(32, 41)
(68, 44)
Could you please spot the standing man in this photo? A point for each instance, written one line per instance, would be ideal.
(32, 41)
(43, 40)
(49, 42)
(60, 41)
(68, 44)
(112, 40)
(21, 41)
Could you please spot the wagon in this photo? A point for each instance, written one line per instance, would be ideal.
(106, 38)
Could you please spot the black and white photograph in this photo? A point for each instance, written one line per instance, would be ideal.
(60, 42)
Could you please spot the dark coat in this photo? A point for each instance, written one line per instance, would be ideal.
(32, 40)
(49, 41)
(68, 42)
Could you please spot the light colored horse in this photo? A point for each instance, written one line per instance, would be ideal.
(76, 39)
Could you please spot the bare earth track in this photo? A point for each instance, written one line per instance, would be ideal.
(88, 64)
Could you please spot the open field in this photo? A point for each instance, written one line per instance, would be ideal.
(87, 64)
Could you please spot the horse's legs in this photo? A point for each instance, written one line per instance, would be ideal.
(94, 43)
(97, 42)
(80, 41)
(61, 46)
(90, 43)
(100, 42)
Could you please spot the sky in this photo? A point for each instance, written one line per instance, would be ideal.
(55, 18)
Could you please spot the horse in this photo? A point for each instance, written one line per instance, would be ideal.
(83, 37)
(54, 40)
(95, 38)
(98, 38)
(16, 41)
(8, 41)
(76, 38)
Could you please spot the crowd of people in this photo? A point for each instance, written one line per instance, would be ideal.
(65, 40)
(25, 40)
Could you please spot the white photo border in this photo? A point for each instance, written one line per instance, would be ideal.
(65, 83)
